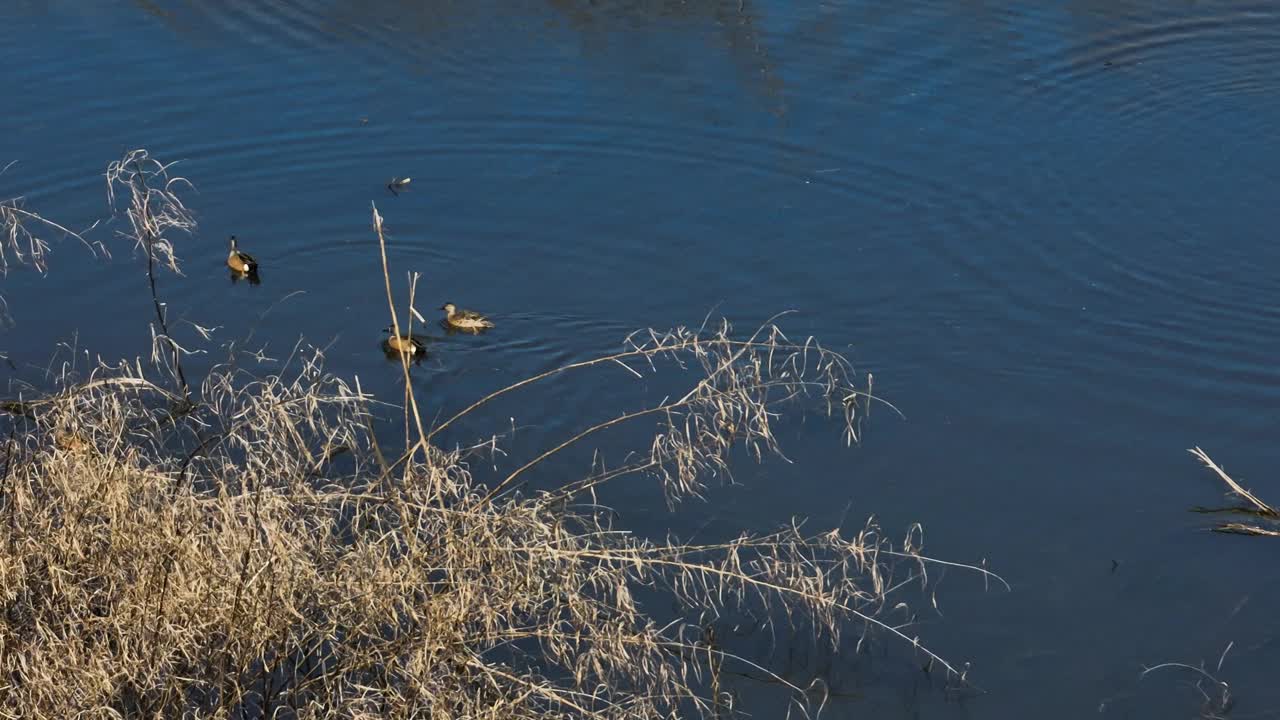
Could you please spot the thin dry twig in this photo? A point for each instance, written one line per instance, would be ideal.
(26, 237)
(155, 212)
(1256, 505)
(1214, 705)
(1236, 487)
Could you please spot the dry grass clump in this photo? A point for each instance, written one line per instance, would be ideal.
(253, 552)
(154, 210)
(1267, 518)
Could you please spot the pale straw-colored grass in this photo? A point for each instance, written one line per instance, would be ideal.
(26, 237)
(257, 550)
(1267, 516)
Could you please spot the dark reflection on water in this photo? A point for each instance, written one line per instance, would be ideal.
(1047, 229)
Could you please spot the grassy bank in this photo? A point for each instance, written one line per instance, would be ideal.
(245, 545)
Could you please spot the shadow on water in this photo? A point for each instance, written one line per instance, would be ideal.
(408, 33)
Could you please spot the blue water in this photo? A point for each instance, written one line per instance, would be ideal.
(1048, 230)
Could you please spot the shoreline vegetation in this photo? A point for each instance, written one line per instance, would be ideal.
(1265, 518)
(243, 545)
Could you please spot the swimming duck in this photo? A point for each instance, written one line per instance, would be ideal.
(464, 319)
(406, 344)
(241, 262)
(398, 183)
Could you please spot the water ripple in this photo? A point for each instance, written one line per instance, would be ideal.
(1165, 74)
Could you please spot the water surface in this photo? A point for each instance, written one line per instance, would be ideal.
(1047, 230)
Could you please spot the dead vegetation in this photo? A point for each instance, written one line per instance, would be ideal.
(1216, 700)
(27, 235)
(255, 551)
(1266, 520)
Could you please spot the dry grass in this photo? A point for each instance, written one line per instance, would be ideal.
(253, 552)
(1269, 518)
(1216, 700)
(155, 214)
(26, 237)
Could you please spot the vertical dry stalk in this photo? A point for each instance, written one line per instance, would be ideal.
(154, 212)
(411, 398)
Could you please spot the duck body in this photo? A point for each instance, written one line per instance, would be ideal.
(241, 262)
(398, 183)
(406, 344)
(464, 319)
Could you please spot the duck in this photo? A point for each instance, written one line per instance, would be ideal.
(407, 344)
(241, 262)
(398, 183)
(464, 319)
